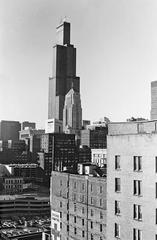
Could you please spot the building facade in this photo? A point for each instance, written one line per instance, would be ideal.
(99, 157)
(64, 72)
(59, 151)
(9, 130)
(72, 113)
(78, 204)
(132, 181)
(153, 114)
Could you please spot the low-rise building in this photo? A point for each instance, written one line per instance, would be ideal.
(78, 206)
(99, 157)
(13, 185)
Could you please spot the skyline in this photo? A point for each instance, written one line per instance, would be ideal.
(118, 73)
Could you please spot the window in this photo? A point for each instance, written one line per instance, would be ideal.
(117, 230)
(55, 226)
(91, 187)
(60, 214)
(74, 207)
(67, 217)
(82, 233)
(137, 212)
(67, 228)
(117, 207)
(60, 225)
(137, 187)
(60, 204)
(100, 227)
(83, 210)
(91, 237)
(92, 214)
(117, 184)
(101, 215)
(75, 231)
(75, 185)
(82, 222)
(137, 163)
(74, 197)
(83, 186)
(100, 202)
(60, 182)
(117, 162)
(91, 224)
(156, 215)
(137, 234)
(67, 206)
(100, 189)
(75, 219)
(91, 200)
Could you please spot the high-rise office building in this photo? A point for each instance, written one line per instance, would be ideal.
(64, 72)
(9, 130)
(132, 181)
(153, 100)
(72, 113)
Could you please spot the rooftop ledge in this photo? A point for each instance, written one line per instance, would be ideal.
(133, 127)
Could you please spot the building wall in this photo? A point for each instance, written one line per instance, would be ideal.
(153, 100)
(81, 201)
(9, 130)
(99, 157)
(124, 142)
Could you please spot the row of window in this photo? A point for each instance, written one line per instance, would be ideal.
(137, 233)
(91, 213)
(137, 186)
(137, 211)
(83, 232)
(137, 163)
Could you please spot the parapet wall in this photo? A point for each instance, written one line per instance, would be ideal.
(124, 128)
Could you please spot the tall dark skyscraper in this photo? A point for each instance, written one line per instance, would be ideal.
(64, 72)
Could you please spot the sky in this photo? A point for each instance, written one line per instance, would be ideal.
(116, 43)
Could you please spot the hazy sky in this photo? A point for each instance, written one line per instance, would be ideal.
(116, 43)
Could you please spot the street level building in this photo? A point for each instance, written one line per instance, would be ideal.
(78, 207)
(9, 130)
(132, 181)
(20, 205)
(64, 72)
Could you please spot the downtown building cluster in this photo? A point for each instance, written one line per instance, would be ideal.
(102, 176)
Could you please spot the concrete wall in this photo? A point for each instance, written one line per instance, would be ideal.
(128, 146)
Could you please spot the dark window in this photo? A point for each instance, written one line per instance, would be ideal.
(82, 233)
(137, 187)
(75, 219)
(75, 231)
(117, 162)
(117, 184)
(100, 227)
(91, 224)
(137, 163)
(137, 212)
(117, 230)
(137, 234)
(117, 207)
(82, 222)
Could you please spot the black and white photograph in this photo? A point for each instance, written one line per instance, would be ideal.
(78, 120)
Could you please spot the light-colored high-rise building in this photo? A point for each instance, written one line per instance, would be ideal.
(72, 112)
(153, 100)
(132, 181)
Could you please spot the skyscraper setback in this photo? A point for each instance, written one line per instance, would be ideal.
(64, 72)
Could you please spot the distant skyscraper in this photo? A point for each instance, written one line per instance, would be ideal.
(9, 130)
(64, 72)
(72, 113)
(153, 100)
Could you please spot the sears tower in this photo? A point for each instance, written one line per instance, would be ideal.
(64, 72)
